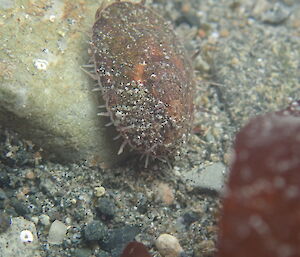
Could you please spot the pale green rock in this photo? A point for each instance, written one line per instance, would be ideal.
(20, 240)
(44, 94)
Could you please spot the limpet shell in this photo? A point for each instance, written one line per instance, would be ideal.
(145, 76)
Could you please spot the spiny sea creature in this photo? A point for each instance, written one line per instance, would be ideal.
(145, 77)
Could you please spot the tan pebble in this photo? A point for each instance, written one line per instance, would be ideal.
(186, 7)
(73, 201)
(235, 61)
(202, 33)
(168, 246)
(164, 193)
(224, 33)
(99, 191)
(205, 248)
(30, 175)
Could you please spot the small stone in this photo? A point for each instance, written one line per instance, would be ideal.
(21, 208)
(35, 219)
(4, 178)
(118, 238)
(44, 219)
(99, 191)
(187, 219)
(84, 252)
(276, 15)
(205, 248)
(4, 222)
(57, 232)
(30, 175)
(96, 230)
(168, 246)
(164, 193)
(102, 254)
(68, 221)
(106, 208)
(2, 194)
(211, 178)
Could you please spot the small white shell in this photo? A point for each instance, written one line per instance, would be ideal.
(26, 236)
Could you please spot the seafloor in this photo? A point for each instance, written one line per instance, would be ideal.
(247, 63)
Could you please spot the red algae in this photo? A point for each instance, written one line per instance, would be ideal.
(146, 78)
(261, 212)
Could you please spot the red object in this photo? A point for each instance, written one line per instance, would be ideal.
(146, 78)
(261, 212)
(135, 249)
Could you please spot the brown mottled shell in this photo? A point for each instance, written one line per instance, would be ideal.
(146, 78)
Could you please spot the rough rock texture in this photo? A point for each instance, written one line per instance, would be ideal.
(44, 95)
(211, 178)
(11, 244)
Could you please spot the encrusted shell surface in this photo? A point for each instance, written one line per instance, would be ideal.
(145, 76)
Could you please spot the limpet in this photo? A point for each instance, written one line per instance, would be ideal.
(145, 77)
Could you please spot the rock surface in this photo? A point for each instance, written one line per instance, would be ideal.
(44, 95)
(210, 178)
(11, 244)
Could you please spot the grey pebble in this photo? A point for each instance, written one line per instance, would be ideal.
(21, 208)
(118, 238)
(83, 252)
(2, 194)
(105, 208)
(7, 4)
(210, 178)
(102, 254)
(276, 15)
(4, 222)
(94, 231)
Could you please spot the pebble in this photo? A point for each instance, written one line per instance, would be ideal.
(105, 208)
(102, 254)
(168, 246)
(2, 194)
(118, 238)
(4, 222)
(57, 232)
(276, 15)
(164, 193)
(20, 208)
(184, 221)
(211, 178)
(205, 248)
(35, 219)
(44, 219)
(96, 230)
(84, 252)
(99, 191)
